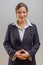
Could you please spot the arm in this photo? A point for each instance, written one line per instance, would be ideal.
(36, 43)
(7, 44)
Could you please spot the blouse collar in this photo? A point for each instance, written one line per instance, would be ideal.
(27, 25)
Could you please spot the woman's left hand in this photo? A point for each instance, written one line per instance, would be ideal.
(25, 54)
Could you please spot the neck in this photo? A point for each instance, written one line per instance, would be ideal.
(21, 23)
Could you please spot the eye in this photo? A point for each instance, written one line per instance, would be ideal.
(24, 12)
(19, 12)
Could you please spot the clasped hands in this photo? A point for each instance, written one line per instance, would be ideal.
(22, 54)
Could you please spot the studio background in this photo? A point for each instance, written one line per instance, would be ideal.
(7, 16)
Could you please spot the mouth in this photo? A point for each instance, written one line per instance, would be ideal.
(21, 17)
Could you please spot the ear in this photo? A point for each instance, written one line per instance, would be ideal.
(27, 14)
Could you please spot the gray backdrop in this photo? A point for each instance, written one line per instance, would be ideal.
(7, 16)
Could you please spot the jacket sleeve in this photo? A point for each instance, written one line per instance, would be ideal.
(36, 43)
(7, 44)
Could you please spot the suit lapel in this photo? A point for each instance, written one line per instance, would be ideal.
(26, 33)
(16, 34)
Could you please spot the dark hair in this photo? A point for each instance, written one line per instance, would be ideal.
(21, 5)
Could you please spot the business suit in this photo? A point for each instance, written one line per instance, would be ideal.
(13, 43)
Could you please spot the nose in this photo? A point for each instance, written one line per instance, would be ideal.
(22, 14)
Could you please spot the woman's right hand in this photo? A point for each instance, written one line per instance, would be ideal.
(19, 55)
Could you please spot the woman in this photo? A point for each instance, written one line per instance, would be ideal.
(21, 41)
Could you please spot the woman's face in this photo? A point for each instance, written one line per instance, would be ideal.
(21, 14)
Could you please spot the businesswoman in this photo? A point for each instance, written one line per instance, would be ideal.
(21, 40)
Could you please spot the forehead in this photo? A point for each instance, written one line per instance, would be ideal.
(21, 9)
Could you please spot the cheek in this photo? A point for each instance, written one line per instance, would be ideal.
(25, 15)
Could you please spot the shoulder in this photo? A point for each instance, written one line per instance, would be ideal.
(12, 26)
(34, 25)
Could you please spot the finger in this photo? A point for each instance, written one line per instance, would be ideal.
(22, 58)
(20, 50)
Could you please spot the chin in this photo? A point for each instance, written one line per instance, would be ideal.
(22, 19)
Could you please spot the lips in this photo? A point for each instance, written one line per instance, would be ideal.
(21, 17)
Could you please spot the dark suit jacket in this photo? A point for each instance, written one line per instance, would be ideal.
(13, 43)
